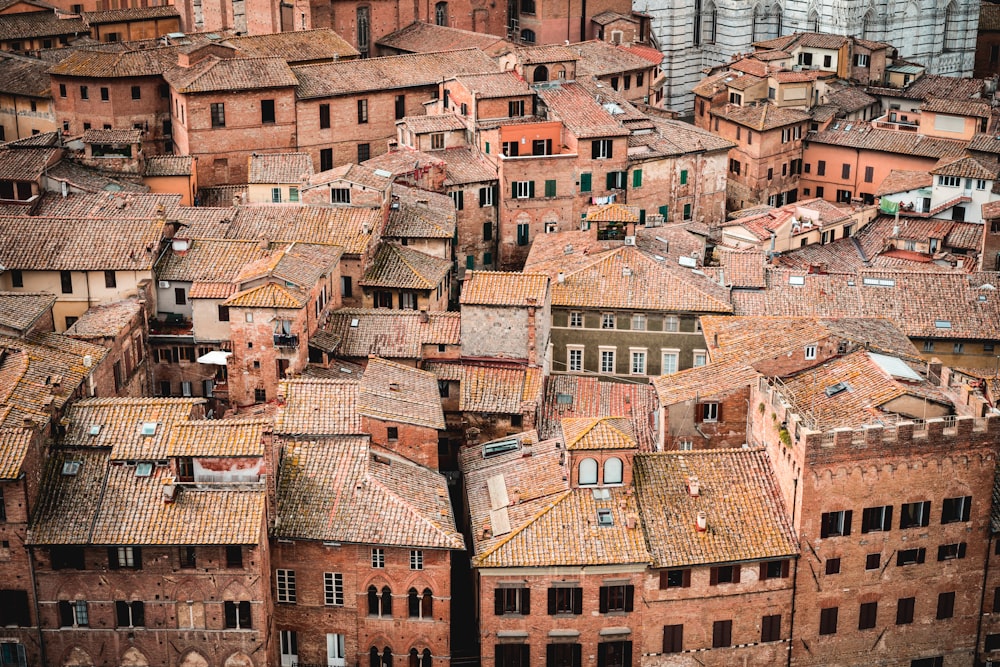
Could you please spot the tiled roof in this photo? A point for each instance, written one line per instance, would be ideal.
(421, 214)
(269, 168)
(964, 235)
(576, 396)
(67, 504)
(465, 165)
(420, 37)
(353, 173)
(989, 20)
(864, 136)
(977, 108)
(355, 76)
(565, 252)
(296, 46)
(14, 444)
(549, 523)
(600, 58)
(213, 74)
(838, 256)
(269, 295)
(169, 165)
(546, 53)
(934, 85)
(601, 433)
(402, 267)
(24, 76)
(655, 56)
(115, 64)
(210, 260)
(494, 84)
(25, 164)
(393, 392)
(405, 160)
(297, 264)
(613, 212)
(701, 382)
(130, 14)
(741, 268)
(39, 24)
(394, 334)
(210, 290)
(673, 138)
(20, 310)
(35, 243)
(850, 98)
(711, 85)
(114, 136)
(105, 320)
(900, 180)
(746, 519)
(88, 180)
(118, 423)
(493, 388)
(762, 117)
(579, 112)
(314, 407)
(218, 438)
(495, 288)
(383, 499)
(627, 278)
(441, 122)
(607, 17)
(965, 167)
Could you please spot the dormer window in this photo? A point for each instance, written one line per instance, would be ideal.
(587, 472)
(613, 470)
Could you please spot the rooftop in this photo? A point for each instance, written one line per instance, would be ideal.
(105, 320)
(20, 310)
(495, 288)
(36, 243)
(394, 334)
(420, 37)
(402, 267)
(318, 407)
(135, 429)
(493, 388)
(212, 74)
(268, 168)
(393, 392)
(296, 46)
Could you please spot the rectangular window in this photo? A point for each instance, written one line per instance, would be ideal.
(828, 621)
(614, 654)
(873, 561)
(550, 188)
(904, 611)
(699, 358)
(954, 510)
(945, 605)
(362, 112)
(586, 182)
(218, 110)
(687, 211)
(833, 566)
(523, 231)
(821, 168)
(675, 579)
(574, 360)
(234, 556)
(876, 519)
(506, 655)
(734, 166)
(722, 634)
(670, 360)
(486, 199)
(773, 569)
(110, 280)
(563, 655)
(770, 628)
(237, 615)
(267, 111)
(66, 281)
(458, 198)
(105, 96)
(845, 171)
(709, 412)
(325, 159)
(910, 556)
(601, 149)
(607, 361)
(868, 615)
(607, 320)
(565, 600)
(914, 515)
(673, 638)
(616, 180)
(400, 106)
(180, 296)
(378, 558)
(512, 600)
(523, 189)
(724, 574)
(949, 181)
(73, 614)
(951, 551)
(576, 319)
(869, 174)
(684, 176)
(616, 598)
(324, 116)
(128, 615)
(515, 108)
(275, 195)
(835, 524)
(638, 363)
(416, 559)
(637, 178)
(285, 580)
(510, 148)
(125, 557)
(333, 589)
(364, 153)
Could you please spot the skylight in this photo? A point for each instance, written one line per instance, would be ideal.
(879, 282)
(94, 429)
(604, 518)
(942, 324)
(835, 389)
(796, 280)
(71, 467)
(143, 469)
(148, 428)
(495, 448)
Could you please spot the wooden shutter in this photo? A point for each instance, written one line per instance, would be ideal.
(585, 182)
(847, 522)
(763, 571)
(604, 600)
(138, 614)
(966, 508)
(578, 600)
(482, 197)
(525, 601)
(531, 189)
(713, 577)
(718, 412)
(113, 558)
(961, 550)
(630, 595)
(552, 601)
(497, 601)
(736, 573)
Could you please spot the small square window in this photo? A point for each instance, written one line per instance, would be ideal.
(416, 559)
(873, 561)
(378, 558)
(607, 320)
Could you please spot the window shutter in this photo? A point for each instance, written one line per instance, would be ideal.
(642, 216)
(611, 148)
(577, 655)
(847, 522)
(663, 211)
(594, 149)
(627, 653)
(736, 573)
(630, 595)
(718, 412)
(578, 600)
(784, 570)
(497, 601)
(699, 413)
(585, 182)
(513, 189)
(550, 654)
(687, 579)
(531, 189)
(113, 558)
(550, 188)
(230, 614)
(961, 550)
(552, 601)
(137, 551)
(138, 614)
(887, 523)
(637, 178)
(763, 571)
(604, 600)
(482, 197)
(921, 555)
(602, 656)
(65, 613)
(245, 621)
(121, 613)
(525, 602)
(663, 580)
(684, 176)
(610, 184)
(966, 508)
(926, 515)
(713, 577)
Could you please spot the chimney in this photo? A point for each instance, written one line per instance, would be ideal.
(702, 522)
(424, 317)
(694, 488)
(169, 490)
(561, 278)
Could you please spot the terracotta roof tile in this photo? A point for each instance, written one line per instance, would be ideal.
(420, 37)
(601, 433)
(353, 173)
(67, 504)
(971, 107)
(934, 85)
(393, 392)
(394, 334)
(741, 268)
(495, 288)
(210, 260)
(269, 295)
(210, 290)
(382, 498)
(213, 74)
(92, 63)
(20, 310)
(26, 164)
(673, 138)
(20, 75)
(113, 136)
(39, 24)
(269, 168)
(579, 112)
(465, 165)
(296, 46)
(965, 166)
(494, 85)
(218, 438)
(14, 444)
(746, 519)
(493, 388)
(900, 180)
(169, 165)
(316, 407)
(402, 267)
(36, 243)
(600, 58)
(546, 53)
(442, 122)
(105, 321)
(863, 135)
(588, 397)
(118, 423)
(421, 214)
(130, 14)
(762, 117)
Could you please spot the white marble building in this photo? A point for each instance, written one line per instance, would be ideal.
(694, 34)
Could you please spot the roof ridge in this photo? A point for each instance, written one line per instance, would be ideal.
(514, 533)
(408, 506)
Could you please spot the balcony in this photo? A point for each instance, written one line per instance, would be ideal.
(894, 121)
(286, 340)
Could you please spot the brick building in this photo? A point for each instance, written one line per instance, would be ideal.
(25, 98)
(404, 336)
(121, 328)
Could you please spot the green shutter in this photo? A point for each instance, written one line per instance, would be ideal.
(637, 178)
(470, 262)
(610, 181)
(550, 188)
(684, 176)
(642, 216)
(531, 189)
(663, 212)
(585, 185)
(487, 258)
(687, 211)
(487, 148)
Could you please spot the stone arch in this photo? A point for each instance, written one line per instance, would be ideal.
(133, 658)
(193, 659)
(812, 22)
(869, 26)
(954, 27)
(239, 659)
(77, 657)
(541, 74)
(236, 591)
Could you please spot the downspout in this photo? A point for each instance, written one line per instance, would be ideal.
(982, 597)
(31, 572)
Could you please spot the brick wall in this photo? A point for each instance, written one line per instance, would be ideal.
(417, 443)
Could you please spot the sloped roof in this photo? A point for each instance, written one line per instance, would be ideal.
(602, 433)
(224, 438)
(421, 214)
(213, 74)
(210, 260)
(24, 76)
(269, 295)
(108, 320)
(318, 408)
(295, 46)
(393, 392)
(117, 423)
(496, 288)
(402, 267)
(19, 310)
(269, 168)
(493, 388)
(35, 243)
(420, 37)
(398, 334)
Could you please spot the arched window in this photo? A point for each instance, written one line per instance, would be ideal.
(387, 657)
(373, 602)
(420, 659)
(953, 29)
(696, 34)
(441, 13)
(386, 601)
(528, 36)
(380, 660)
(379, 605)
(363, 30)
(541, 74)
(708, 27)
(413, 604)
(420, 605)
(814, 21)
(427, 604)
(613, 471)
(588, 472)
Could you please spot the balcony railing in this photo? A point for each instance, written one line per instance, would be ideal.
(286, 340)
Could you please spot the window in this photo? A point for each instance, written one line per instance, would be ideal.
(614, 654)
(607, 320)
(275, 195)
(910, 556)
(66, 281)
(458, 198)
(868, 615)
(904, 611)
(616, 598)
(267, 111)
(684, 176)
(105, 97)
(734, 166)
(129, 614)
(669, 365)
(110, 280)
(379, 604)
(876, 519)
(949, 181)
(722, 634)
(945, 605)
(616, 180)
(513, 655)
(364, 152)
(325, 159)
(835, 524)
(699, 358)
(673, 638)
(687, 211)
(486, 198)
(833, 566)
(419, 605)
(550, 188)
(574, 360)
(285, 580)
(362, 112)
(416, 559)
(437, 141)
(586, 182)
(607, 361)
(576, 319)
(16, 278)
(441, 13)
(218, 110)
(915, 514)
(773, 569)
(565, 600)
(724, 574)
(770, 628)
(937, 661)
(613, 470)
(125, 557)
(821, 168)
(954, 510)
(14, 610)
(73, 614)
(828, 621)
(638, 362)
(587, 472)
(188, 558)
(860, 60)
(512, 600)
(873, 561)
(333, 589)
(810, 351)
(601, 149)
(340, 195)
(675, 579)
(378, 558)
(563, 655)
(737, 99)
(324, 116)
(234, 556)
(951, 551)
(237, 615)
(523, 189)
